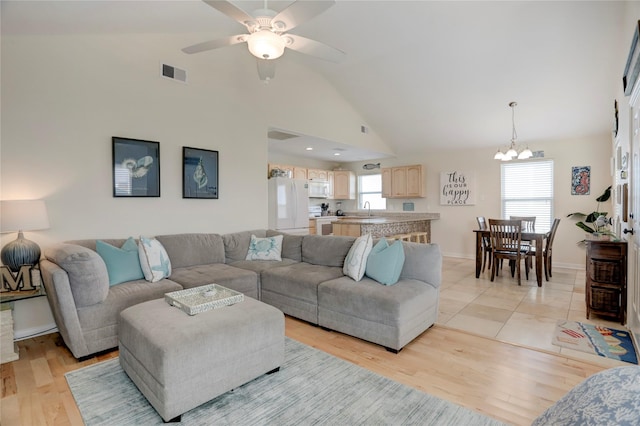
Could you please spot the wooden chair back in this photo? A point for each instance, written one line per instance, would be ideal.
(506, 235)
(528, 222)
(552, 232)
(482, 222)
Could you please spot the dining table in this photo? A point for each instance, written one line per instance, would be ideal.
(537, 237)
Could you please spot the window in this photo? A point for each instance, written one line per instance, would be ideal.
(370, 189)
(527, 190)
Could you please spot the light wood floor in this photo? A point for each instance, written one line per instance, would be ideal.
(508, 382)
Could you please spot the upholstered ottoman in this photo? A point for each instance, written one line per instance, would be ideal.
(180, 361)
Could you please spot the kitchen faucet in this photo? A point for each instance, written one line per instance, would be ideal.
(366, 203)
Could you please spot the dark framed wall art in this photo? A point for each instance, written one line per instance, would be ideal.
(136, 168)
(199, 173)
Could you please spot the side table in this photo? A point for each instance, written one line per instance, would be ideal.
(8, 349)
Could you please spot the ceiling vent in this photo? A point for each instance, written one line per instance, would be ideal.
(280, 136)
(173, 73)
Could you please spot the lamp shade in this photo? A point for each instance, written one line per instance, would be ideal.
(23, 215)
(266, 44)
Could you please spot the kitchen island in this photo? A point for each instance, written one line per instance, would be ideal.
(387, 225)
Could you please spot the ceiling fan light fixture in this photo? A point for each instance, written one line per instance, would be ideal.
(265, 44)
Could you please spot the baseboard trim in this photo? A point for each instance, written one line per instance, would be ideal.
(41, 330)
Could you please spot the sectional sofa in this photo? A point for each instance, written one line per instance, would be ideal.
(307, 283)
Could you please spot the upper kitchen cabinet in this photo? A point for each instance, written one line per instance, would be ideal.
(344, 185)
(295, 171)
(331, 180)
(402, 182)
(299, 173)
(317, 174)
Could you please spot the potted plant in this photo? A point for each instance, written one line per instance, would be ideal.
(596, 223)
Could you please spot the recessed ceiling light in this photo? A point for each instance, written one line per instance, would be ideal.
(336, 153)
(309, 148)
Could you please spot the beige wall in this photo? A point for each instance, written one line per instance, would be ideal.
(454, 230)
(64, 97)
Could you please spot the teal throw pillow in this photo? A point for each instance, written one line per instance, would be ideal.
(123, 264)
(385, 262)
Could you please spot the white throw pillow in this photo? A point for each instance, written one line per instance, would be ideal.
(154, 259)
(355, 263)
(269, 248)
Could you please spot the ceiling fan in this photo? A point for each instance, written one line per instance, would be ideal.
(268, 33)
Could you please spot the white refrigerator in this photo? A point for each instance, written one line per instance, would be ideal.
(289, 205)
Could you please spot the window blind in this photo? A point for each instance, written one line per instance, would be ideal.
(527, 190)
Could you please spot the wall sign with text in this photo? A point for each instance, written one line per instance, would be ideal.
(457, 188)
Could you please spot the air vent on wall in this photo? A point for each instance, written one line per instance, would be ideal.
(280, 136)
(173, 73)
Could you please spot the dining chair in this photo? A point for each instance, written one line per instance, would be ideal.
(506, 243)
(547, 249)
(486, 243)
(528, 222)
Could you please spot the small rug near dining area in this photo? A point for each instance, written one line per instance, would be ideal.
(595, 339)
(312, 387)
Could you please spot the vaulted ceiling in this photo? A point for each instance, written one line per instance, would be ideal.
(421, 73)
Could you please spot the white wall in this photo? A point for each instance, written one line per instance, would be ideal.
(64, 97)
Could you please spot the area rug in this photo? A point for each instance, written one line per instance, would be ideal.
(312, 387)
(595, 339)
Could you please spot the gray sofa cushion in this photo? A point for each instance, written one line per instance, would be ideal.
(325, 250)
(261, 265)
(291, 245)
(91, 244)
(236, 244)
(193, 249)
(88, 276)
(237, 279)
(100, 321)
(422, 262)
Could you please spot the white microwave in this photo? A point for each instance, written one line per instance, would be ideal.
(318, 189)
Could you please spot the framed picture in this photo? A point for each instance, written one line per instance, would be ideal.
(199, 173)
(581, 180)
(136, 168)
(632, 68)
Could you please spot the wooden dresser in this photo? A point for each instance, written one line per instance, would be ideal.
(606, 284)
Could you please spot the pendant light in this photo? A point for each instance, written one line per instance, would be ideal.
(512, 151)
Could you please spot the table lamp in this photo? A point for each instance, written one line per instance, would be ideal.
(19, 216)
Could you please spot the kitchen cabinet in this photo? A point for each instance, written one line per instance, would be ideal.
(344, 185)
(296, 172)
(299, 173)
(606, 285)
(330, 179)
(346, 229)
(317, 174)
(402, 182)
(386, 183)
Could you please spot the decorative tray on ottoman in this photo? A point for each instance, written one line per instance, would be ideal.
(200, 299)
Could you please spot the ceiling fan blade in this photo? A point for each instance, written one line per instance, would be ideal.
(232, 11)
(298, 12)
(315, 48)
(215, 44)
(266, 69)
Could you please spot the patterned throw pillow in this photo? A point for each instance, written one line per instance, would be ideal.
(269, 248)
(385, 262)
(154, 259)
(356, 261)
(123, 264)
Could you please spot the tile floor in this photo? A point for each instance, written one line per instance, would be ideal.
(524, 315)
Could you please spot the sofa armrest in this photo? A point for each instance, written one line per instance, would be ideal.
(63, 306)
